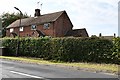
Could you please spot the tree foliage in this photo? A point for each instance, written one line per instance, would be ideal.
(8, 18)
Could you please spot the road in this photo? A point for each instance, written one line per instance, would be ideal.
(15, 69)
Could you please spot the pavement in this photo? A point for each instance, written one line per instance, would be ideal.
(15, 70)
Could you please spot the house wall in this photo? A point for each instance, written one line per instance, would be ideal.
(56, 29)
(84, 33)
(28, 32)
(48, 32)
(62, 25)
(8, 34)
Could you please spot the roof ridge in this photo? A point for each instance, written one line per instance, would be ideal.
(59, 15)
(47, 14)
(50, 17)
(53, 13)
(79, 29)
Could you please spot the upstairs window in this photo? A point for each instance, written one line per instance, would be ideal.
(21, 29)
(11, 30)
(46, 26)
(33, 27)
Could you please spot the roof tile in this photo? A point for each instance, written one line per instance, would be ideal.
(51, 17)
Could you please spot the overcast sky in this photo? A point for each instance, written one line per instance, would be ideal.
(97, 16)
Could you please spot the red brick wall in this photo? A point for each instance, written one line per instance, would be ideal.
(62, 25)
(48, 32)
(27, 30)
(8, 31)
(56, 29)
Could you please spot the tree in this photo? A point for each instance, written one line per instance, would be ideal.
(8, 18)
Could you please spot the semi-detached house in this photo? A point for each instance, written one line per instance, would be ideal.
(56, 24)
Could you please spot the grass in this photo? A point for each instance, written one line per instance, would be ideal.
(110, 68)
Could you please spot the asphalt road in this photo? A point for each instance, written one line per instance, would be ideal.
(15, 69)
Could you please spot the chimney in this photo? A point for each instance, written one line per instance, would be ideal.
(100, 34)
(37, 13)
(114, 35)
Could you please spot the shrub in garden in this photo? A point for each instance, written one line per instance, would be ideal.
(116, 50)
(66, 49)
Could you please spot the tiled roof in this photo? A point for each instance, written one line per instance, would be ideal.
(51, 17)
(78, 33)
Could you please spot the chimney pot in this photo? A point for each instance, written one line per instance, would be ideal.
(37, 13)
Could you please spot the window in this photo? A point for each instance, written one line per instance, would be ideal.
(33, 27)
(11, 30)
(46, 26)
(21, 28)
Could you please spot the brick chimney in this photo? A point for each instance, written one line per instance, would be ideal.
(37, 13)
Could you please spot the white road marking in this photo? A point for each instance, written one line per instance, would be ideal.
(110, 74)
(4, 61)
(32, 76)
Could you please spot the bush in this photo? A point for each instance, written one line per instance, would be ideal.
(66, 49)
(82, 49)
(116, 50)
(11, 45)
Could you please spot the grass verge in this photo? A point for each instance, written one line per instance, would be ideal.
(109, 68)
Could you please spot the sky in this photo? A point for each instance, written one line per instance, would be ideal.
(97, 16)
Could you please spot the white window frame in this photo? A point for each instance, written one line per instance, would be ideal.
(46, 26)
(11, 29)
(32, 27)
(21, 28)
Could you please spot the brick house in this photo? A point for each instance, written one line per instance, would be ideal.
(78, 33)
(56, 24)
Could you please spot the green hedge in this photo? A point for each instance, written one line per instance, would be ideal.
(116, 50)
(66, 49)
